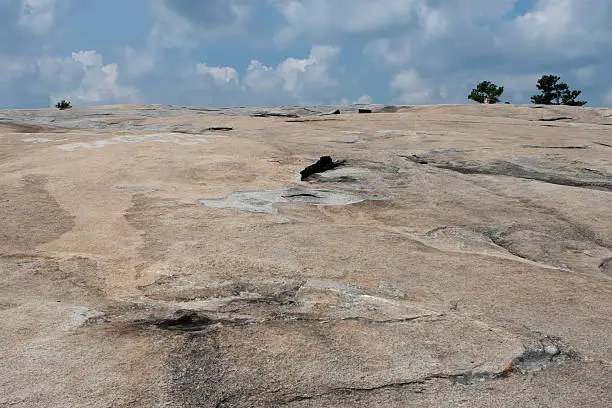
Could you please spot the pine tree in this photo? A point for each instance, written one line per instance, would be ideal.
(554, 92)
(486, 91)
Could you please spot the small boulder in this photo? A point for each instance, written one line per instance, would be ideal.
(323, 164)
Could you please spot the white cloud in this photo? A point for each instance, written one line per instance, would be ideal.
(221, 75)
(295, 76)
(412, 88)
(87, 59)
(418, 51)
(430, 18)
(567, 28)
(96, 83)
(450, 42)
(99, 84)
(433, 22)
(57, 73)
(82, 78)
(475, 40)
(260, 77)
(309, 80)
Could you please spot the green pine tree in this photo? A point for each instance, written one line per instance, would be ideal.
(486, 90)
(553, 92)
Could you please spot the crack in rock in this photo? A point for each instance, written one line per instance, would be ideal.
(554, 119)
(585, 178)
(545, 244)
(361, 319)
(547, 352)
(195, 321)
(301, 195)
(606, 266)
(208, 366)
(531, 146)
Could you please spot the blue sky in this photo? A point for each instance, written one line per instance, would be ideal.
(294, 52)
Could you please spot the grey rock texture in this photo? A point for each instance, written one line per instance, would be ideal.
(152, 257)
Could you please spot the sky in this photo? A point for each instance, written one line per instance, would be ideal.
(298, 52)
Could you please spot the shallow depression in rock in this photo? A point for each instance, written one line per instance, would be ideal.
(265, 200)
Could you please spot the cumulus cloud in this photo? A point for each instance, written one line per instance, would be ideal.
(552, 37)
(221, 75)
(412, 51)
(448, 44)
(568, 28)
(298, 77)
(260, 77)
(309, 80)
(98, 83)
(82, 77)
(430, 18)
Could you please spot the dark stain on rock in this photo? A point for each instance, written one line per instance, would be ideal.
(185, 321)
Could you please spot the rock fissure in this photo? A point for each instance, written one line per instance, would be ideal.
(509, 169)
(532, 360)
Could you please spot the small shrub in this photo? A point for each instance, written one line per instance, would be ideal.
(63, 104)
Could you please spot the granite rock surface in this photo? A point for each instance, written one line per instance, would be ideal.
(159, 256)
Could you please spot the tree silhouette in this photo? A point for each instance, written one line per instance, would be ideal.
(554, 92)
(63, 104)
(486, 91)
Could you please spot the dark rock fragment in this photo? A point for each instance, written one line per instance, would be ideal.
(323, 164)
